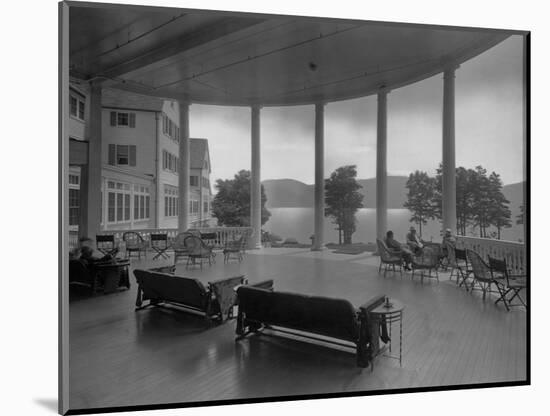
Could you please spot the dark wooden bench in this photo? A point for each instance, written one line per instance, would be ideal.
(161, 286)
(315, 317)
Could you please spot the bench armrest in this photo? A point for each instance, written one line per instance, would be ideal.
(371, 303)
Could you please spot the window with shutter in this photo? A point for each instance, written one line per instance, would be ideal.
(132, 155)
(112, 154)
(113, 118)
(122, 155)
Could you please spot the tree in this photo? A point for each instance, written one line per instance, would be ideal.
(464, 197)
(343, 199)
(421, 198)
(499, 212)
(231, 205)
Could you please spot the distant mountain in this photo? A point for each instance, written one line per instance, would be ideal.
(514, 193)
(289, 193)
(397, 192)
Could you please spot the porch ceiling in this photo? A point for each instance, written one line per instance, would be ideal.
(242, 59)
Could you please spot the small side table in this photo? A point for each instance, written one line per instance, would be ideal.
(114, 274)
(391, 314)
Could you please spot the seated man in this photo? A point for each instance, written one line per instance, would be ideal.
(396, 246)
(414, 242)
(448, 241)
(90, 258)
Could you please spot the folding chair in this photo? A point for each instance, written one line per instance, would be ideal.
(159, 243)
(514, 283)
(106, 244)
(483, 276)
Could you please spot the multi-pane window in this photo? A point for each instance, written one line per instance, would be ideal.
(205, 206)
(123, 119)
(118, 202)
(74, 179)
(74, 199)
(206, 183)
(74, 206)
(122, 154)
(76, 107)
(170, 162)
(141, 202)
(170, 201)
(170, 129)
(193, 206)
(194, 180)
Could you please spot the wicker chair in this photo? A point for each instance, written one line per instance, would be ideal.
(513, 283)
(428, 260)
(235, 248)
(483, 275)
(198, 251)
(459, 261)
(134, 244)
(178, 245)
(389, 258)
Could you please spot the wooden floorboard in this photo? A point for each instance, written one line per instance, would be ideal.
(120, 357)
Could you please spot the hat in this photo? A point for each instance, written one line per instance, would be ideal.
(412, 228)
(448, 230)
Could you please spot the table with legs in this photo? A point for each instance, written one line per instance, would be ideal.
(390, 313)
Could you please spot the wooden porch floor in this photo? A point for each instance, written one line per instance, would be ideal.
(120, 357)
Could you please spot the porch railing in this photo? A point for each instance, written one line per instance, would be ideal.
(512, 251)
(220, 234)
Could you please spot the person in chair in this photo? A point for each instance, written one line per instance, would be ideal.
(414, 242)
(402, 249)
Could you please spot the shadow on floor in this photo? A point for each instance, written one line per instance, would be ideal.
(49, 404)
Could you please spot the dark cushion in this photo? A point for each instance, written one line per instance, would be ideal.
(172, 288)
(320, 315)
(79, 272)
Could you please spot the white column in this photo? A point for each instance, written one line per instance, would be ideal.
(448, 174)
(319, 214)
(90, 185)
(183, 180)
(382, 165)
(255, 180)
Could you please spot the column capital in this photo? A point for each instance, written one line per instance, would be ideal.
(449, 70)
(383, 89)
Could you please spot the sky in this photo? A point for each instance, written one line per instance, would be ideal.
(488, 127)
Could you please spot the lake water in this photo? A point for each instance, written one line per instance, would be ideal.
(298, 223)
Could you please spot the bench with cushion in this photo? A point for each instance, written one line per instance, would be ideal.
(162, 286)
(315, 315)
